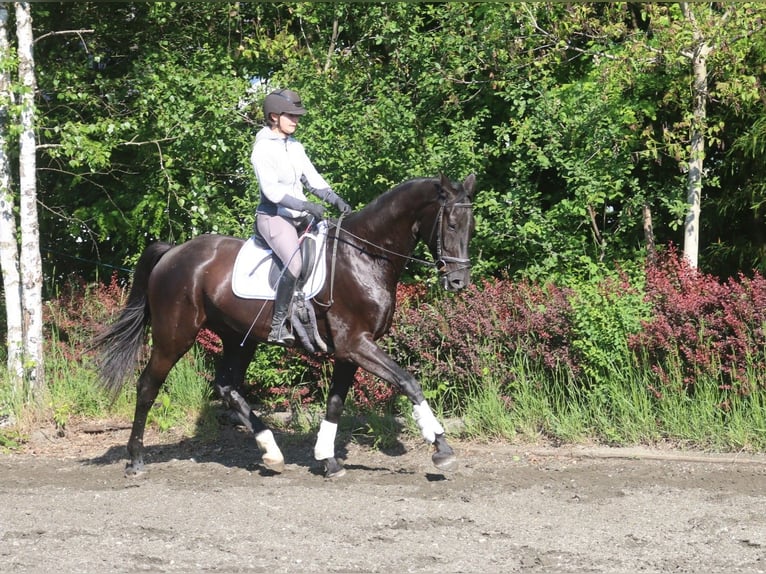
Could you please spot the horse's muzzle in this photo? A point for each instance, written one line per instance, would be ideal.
(455, 280)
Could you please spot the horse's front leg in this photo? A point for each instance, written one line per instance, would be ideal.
(433, 432)
(374, 360)
(324, 450)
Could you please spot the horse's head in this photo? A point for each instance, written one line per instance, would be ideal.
(451, 232)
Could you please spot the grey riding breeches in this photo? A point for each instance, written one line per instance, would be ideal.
(282, 236)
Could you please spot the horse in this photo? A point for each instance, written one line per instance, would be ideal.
(178, 290)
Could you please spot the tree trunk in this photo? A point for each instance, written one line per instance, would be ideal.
(698, 58)
(9, 252)
(31, 263)
(651, 248)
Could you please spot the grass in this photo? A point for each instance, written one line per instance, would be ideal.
(521, 401)
(74, 394)
(620, 409)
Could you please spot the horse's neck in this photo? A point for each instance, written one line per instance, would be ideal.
(392, 219)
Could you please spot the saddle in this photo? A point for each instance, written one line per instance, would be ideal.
(256, 274)
(256, 270)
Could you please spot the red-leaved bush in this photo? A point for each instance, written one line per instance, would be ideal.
(79, 312)
(704, 328)
(453, 338)
(715, 328)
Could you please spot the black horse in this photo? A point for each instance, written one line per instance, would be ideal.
(180, 290)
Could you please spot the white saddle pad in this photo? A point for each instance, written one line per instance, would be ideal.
(250, 278)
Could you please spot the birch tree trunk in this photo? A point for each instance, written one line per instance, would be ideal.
(698, 57)
(31, 263)
(9, 251)
(646, 218)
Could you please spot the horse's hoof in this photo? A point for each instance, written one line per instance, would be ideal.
(134, 469)
(446, 461)
(272, 457)
(332, 469)
(274, 464)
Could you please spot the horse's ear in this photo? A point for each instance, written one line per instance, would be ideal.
(469, 184)
(445, 182)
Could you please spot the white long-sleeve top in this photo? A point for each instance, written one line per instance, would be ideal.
(283, 168)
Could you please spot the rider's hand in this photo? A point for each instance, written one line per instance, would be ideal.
(314, 209)
(342, 206)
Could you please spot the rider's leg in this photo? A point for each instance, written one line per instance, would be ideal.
(279, 332)
(282, 237)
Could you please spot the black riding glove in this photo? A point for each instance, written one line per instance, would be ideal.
(313, 209)
(335, 200)
(342, 206)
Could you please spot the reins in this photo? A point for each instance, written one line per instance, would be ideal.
(333, 260)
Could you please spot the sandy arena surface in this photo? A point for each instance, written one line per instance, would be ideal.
(65, 506)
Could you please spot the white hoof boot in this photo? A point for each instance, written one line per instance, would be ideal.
(270, 454)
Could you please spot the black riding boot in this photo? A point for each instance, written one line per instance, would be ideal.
(279, 331)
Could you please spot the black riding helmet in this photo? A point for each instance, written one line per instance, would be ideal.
(282, 102)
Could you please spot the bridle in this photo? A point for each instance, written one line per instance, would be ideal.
(441, 259)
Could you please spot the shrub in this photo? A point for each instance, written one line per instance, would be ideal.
(449, 339)
(619, 357)
(713, 330)
(81, 310)
(606, 312)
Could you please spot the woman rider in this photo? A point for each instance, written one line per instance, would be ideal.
(283, 169)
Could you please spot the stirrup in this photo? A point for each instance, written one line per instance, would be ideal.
(281, 335)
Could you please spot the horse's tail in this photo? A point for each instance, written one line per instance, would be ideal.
(120, 344)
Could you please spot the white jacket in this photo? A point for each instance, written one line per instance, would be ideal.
(283, 168)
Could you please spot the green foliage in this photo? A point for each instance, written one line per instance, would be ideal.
(277, 378)
(12, 405)
(662, 353)
(608, 359)
(574, 116)
(487, 414)
(607, 311)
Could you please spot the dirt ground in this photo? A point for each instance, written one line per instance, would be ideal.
(65, 506)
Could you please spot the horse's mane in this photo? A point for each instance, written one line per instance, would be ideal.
(395, 191)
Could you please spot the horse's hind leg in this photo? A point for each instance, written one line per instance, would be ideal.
(229, 376)
(149, 383)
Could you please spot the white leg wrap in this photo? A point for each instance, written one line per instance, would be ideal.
(427, 422)
(325, 446)
(272, 456)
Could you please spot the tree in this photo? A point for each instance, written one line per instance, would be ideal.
(31, 264)
(706, 48)
(698, 54)
(9, 254)
(143, 129)
(604, 126)
(578, 117)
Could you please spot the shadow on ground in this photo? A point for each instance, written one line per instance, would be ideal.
(231, 445)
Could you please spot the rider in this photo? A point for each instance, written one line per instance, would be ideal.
(283, 169)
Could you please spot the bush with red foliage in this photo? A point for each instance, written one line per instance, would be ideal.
(79, 312)
(712, 329)
(453, 338)
(706, 328)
